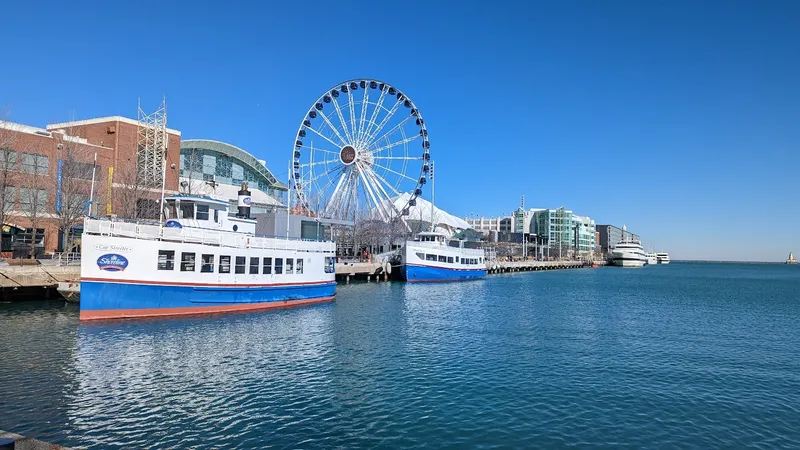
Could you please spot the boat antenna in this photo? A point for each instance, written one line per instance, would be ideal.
(433, 185)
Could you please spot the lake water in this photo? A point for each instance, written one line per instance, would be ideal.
(685, 355)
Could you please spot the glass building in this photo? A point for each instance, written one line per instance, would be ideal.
(213, 167)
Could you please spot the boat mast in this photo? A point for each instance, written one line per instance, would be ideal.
(433, 185)
(288, 198)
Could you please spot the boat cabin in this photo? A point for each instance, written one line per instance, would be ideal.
(195, 211)
(429, 236)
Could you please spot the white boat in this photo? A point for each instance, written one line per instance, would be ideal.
(202, 260)
(651, 258)
(628, 253)
(431, 257)
(792, 259)
(663, 257)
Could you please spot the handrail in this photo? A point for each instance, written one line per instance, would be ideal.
(198, 235)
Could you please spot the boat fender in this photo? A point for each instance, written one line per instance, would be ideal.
(388, 268)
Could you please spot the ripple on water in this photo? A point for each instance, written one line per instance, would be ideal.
(678, 356)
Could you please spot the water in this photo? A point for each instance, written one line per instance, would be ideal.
(686, 355)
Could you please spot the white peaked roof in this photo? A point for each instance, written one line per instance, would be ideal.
(422, 212)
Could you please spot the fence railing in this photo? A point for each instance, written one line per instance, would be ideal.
(67, 258)
(151, 232)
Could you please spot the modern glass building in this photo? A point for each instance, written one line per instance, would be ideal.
(584, 235)
(216, 168)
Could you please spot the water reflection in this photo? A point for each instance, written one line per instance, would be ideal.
(192, 378)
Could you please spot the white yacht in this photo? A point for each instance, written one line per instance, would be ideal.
(663, 257)
(628, 253)
(651, 258)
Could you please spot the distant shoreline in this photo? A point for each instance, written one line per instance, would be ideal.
(705, 261)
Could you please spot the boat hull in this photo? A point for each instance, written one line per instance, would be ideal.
(116, 299)
(418, 273)
(629, 262)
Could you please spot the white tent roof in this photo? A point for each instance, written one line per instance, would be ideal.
(422, 212)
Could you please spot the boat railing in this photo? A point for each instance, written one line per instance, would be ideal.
(154, 231)
(440, 245)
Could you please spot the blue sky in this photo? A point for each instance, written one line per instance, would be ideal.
(680, 119)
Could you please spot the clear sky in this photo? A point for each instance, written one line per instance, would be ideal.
(680, 119)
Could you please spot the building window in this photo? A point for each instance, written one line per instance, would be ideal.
(223, 167)
(32, 163)
(241, 261)
(166, 259)
(267, 266)
(237, 173)
(299, 266)
(224, 264)
(78, 170)
(8, 160)
(33, 201)
(207, 264)
(202, 212)
(187, 262)
(209, 165)
(254, 265)
(278, 266)
(289, 266)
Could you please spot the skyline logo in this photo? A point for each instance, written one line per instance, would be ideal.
(112, 262)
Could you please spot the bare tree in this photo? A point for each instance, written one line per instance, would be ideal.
(131, 198)
(33, 197)
(8, 167)
(73, 182)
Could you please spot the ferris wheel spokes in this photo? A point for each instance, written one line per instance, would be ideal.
(368, 161)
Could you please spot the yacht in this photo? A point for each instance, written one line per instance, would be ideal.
(792, 259)
(628, 253)
(652, 259)
(431, 257)
(663, 258)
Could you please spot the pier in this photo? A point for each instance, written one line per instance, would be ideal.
(497, 267)
(36, 282)
(366, 271)
(18, 442)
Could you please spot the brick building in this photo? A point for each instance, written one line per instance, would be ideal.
(46, 178)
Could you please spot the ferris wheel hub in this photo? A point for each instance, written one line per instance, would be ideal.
(347, 155)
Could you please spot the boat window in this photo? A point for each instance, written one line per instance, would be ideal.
(330, 264)
(278, 266)
(442, 258)
(254, 265)
(299, 266)
(187, 262)
(456, 258)
(267, 266)
(289, 266)
(225, 264)
(241, 261)
(207, 263)
(420, 255)
(450, 259)
(480, 260)
(166, 259)
(187, 210)
(216, 215)
(202, 212)
(429, 257)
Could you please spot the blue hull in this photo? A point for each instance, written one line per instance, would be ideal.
(414, 273)
(107, 300)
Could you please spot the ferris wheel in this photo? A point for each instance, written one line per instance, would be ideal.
(361, 151)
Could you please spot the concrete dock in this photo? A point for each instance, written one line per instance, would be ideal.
(26, 443)
(34, 281)
(497, 267)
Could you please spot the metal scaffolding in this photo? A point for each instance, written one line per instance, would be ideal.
(152, 147)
